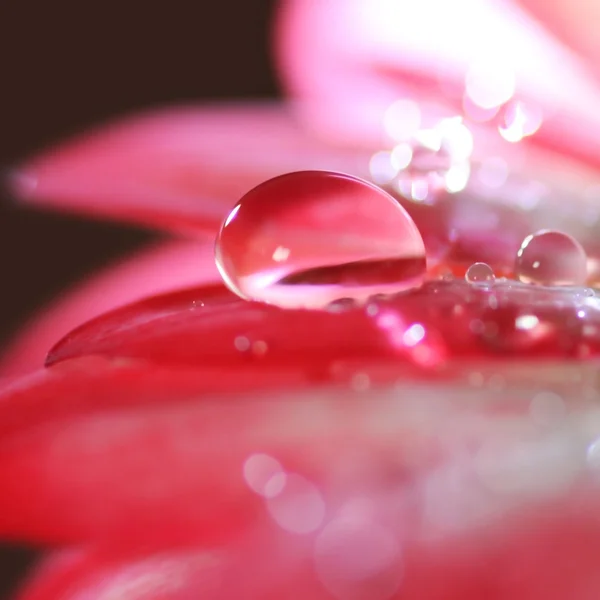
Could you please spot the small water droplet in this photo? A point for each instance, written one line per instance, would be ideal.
(480, 273)
(551, 258)
(310, 238)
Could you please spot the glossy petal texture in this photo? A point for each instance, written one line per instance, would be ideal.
(212, 327)
(167, 266)
(182, 168)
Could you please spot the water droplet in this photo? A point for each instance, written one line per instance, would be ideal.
(551, 258)
(341, 238)
(480, 273)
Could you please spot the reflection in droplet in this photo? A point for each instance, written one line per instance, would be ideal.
(264, 475)
(520, 120)
(358, 559)
(299, 507)
(307, 239)
(551, 258)
(480, 273)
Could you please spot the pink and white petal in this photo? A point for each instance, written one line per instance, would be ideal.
(165, 267)
(179, 168)
(364, 55)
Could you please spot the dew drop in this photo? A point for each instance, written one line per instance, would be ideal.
(551, 258)
(307, 239)
(480, 273)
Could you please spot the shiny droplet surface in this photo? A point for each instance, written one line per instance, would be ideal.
(307, 239)
(551, 258)
(480, 273)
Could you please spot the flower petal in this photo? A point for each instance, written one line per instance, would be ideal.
(363, 56)
(136, 453)
(181, 168)
(211, 326)
(161, 268)
(414, 492)
(234, 571)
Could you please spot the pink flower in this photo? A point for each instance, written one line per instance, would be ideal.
(192, 444)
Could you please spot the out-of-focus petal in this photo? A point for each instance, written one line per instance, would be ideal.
(167, 266)
(97, 450)
(401, 493)
(364, 55)
(258, 566)
(182, 168)
(574, 21)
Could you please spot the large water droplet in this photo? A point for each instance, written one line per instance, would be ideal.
(310, 238)
(551, 258)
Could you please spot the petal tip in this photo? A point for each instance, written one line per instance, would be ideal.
(20, 183)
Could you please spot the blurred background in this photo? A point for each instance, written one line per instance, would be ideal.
(66, 66)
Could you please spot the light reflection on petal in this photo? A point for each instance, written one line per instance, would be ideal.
(490, 82)
(520, 120)
(299, 507)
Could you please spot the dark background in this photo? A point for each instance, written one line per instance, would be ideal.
(65, 66)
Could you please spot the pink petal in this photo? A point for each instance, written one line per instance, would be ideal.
(230, 572)
(211, 326)
(178, 168)
(165, 267)
(98, 450)
(391, 500)
(363, 56)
